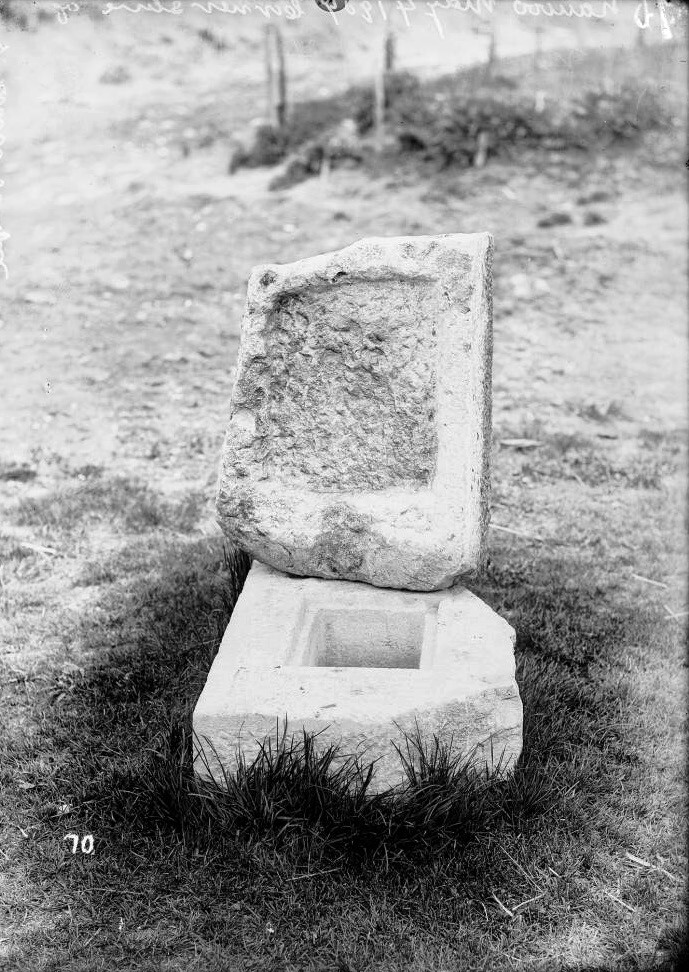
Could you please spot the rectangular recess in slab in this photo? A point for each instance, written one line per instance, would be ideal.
(352, 394)
(366, 639)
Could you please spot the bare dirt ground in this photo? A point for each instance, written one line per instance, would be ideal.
(129, 251)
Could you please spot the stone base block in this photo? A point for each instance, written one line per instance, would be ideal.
(360, 665)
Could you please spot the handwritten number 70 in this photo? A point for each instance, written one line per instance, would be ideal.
(86, 843)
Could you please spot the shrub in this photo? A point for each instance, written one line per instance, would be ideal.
(448, 130)
(310, 126)
(622, 115)
(403, 91)
(449, 123)
(268, 148)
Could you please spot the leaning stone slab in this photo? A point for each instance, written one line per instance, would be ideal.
(361, 666)
(359, 434)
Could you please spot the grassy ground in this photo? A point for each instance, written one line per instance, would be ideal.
(124, 301)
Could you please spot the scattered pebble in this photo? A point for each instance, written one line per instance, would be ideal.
(601, 411)
(554, 219)
(17, 472)
(116, 75)
(520, 443)
(594, 218)
(39, 297)
(597, 196)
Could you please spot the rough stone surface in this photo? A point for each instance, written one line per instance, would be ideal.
(360, 665)
(359, 432)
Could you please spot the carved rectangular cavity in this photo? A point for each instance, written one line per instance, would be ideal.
(366, 639)
(352, 390)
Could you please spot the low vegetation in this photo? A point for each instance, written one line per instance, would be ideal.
(463, 120)
(293, 852)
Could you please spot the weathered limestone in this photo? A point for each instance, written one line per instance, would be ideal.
(360, 665)
(358, 440)
(357, 452)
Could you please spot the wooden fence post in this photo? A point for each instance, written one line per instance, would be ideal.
(276, 79)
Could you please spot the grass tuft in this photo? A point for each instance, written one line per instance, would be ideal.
(313, 801)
